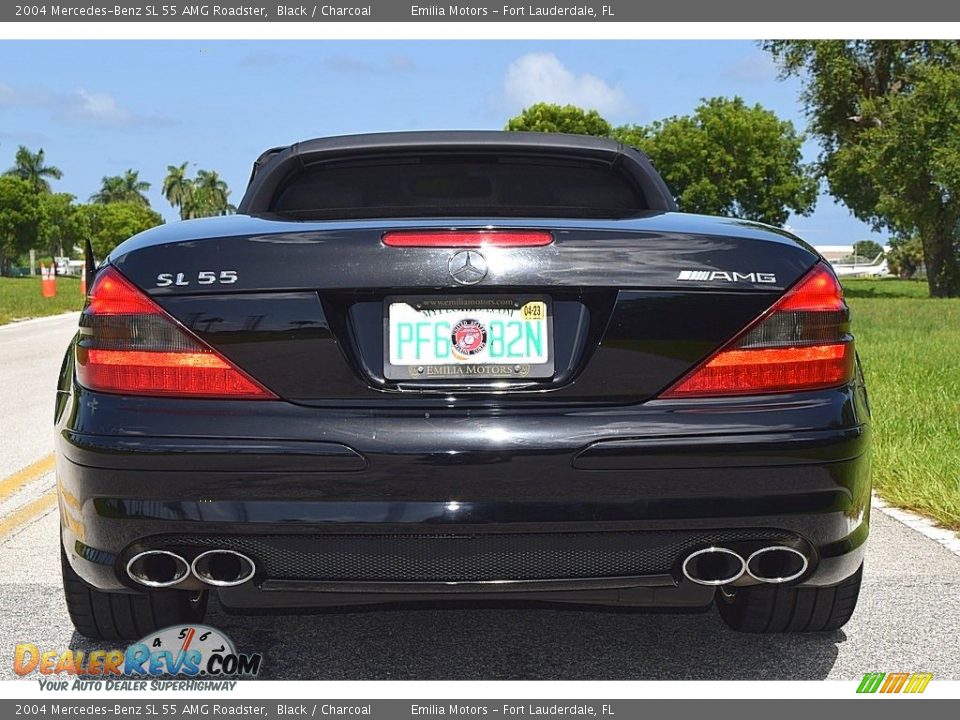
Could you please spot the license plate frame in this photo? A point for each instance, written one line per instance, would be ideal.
(463, 372)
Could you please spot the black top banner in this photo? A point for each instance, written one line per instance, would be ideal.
(398, 11)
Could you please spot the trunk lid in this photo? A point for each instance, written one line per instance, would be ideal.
(303, 307)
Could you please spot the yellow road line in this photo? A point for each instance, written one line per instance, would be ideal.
(28, 512)
(12, 483)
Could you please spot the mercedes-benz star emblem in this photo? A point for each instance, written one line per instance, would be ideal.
(467, 267)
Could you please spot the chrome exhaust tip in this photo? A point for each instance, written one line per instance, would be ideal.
(714, 566)
(223, 568)
(777, 564)
(157, 568)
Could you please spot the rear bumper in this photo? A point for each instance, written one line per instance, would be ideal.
(588, 504)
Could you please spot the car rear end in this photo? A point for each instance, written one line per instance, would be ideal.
(467, 365)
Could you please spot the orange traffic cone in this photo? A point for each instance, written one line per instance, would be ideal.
(83, 281)
(48, 281)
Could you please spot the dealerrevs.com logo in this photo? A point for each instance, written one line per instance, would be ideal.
(201, 654)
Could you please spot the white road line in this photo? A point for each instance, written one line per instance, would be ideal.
(923, 525)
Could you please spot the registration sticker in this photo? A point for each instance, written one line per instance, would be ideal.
(534, 310)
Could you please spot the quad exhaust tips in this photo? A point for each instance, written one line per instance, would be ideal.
(223, 568)
(157, 568)
(774, 565)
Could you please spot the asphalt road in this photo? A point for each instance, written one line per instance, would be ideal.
(30, 357)
(908, 619)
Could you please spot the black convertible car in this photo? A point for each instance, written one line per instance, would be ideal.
(462, 365)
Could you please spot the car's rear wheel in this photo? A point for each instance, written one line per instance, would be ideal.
(126, 616)
(776, 608)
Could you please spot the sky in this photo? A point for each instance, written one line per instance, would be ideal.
(100, 107)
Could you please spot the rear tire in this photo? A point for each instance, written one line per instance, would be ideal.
(103, 615)
(776, 609)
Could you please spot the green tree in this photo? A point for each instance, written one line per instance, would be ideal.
(208, 196)
(204, 196)
(60, 228)
(887, 115)
(126, 188)
(549, 117)
(905, 256)
(109, 224)
(178, 188)
(19, 218)
(214, 192)
(868, 249)
(32, 167)
(729, 158)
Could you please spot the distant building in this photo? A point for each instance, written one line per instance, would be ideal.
(835, 253)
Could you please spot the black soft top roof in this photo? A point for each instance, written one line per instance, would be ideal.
(276, 165)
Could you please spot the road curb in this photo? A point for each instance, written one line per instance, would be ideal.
(38, 321)
(923, 525)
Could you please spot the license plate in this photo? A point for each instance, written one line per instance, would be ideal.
(468, 338)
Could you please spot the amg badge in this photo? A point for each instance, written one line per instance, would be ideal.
(724, 276)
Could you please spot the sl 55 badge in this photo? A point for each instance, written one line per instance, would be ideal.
(204, 277)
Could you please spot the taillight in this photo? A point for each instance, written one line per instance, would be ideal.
(801, 343)
(129, 344)
(467, 238)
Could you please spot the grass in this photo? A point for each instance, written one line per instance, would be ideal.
(910, 348)
(20, 298)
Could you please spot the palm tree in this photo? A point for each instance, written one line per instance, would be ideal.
(111, 190)
(210, 182)
(178, 188)
(122, 188)
(30, 167)
(209, 196)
